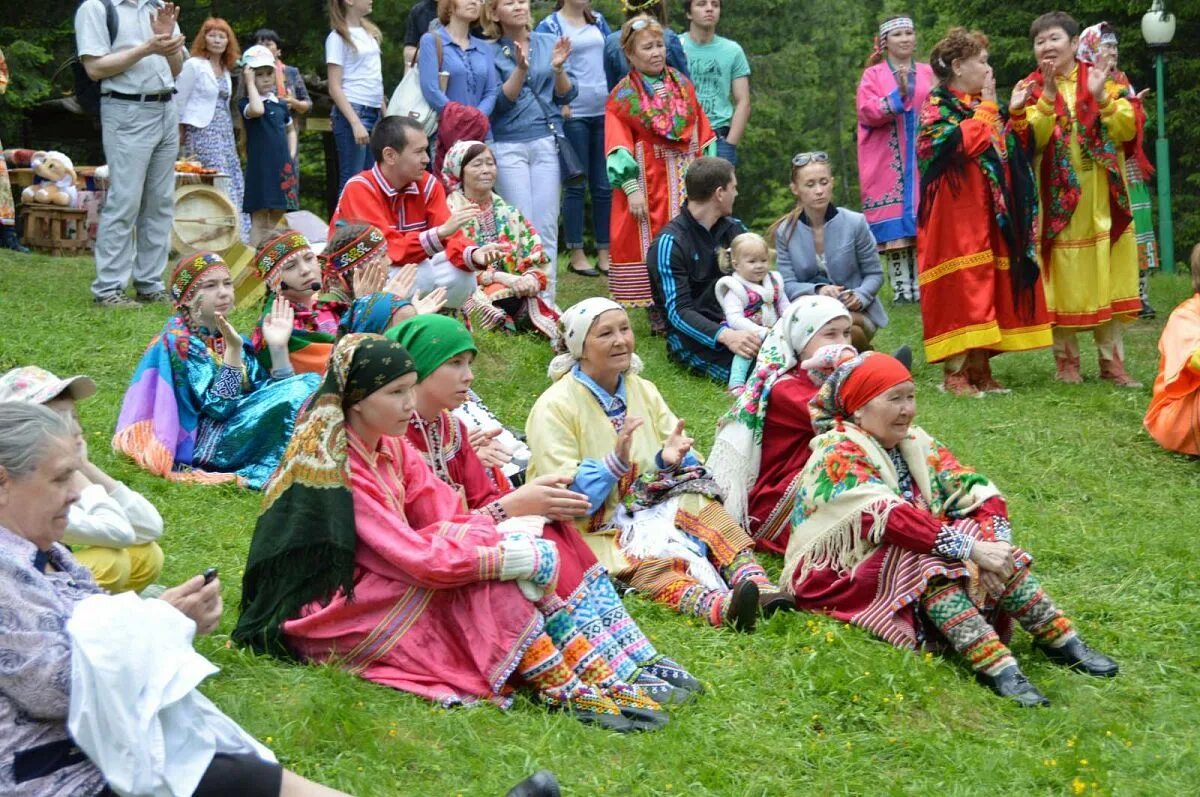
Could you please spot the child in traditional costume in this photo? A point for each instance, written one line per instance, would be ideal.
(976, 251)
(892, 534)
(443, 351)
(1173, 418)
(512, 290)
(751, 294)
(364, 558)
(762, 442)
(200, 407)
(654, 520)
(290, 268)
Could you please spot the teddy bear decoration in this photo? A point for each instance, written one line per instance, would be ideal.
(58, 180)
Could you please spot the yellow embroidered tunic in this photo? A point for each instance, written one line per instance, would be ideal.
(1089, 279)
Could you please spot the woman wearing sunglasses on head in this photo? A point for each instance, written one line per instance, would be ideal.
(826, 250)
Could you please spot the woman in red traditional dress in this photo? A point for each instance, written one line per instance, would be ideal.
(653, 128)
(981, 290)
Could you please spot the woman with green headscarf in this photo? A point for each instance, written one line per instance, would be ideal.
(443, 352)
(362, 557)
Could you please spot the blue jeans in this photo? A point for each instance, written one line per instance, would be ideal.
(724, 148)
(352, 157)
(587, 137)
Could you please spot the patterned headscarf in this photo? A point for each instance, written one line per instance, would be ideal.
(457, 160)
(358, 250)
(372, 313)
(833, 403)
(737, 452)
(1092, 39)
(574, 324)
(305, 539)
(432, 340)
(886, 27)
(272, 256)
(188, 273)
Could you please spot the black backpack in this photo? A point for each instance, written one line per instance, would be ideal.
(87, 91)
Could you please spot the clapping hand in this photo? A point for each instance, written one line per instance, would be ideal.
(988, 92)
(163, 23)
(430, 303)
(1049, 86)
(403, 284)
(1098, 75)
(278, 325)
(560, 53)
(521, 56)
(902, 79)
(233, 340)
(624, 447)
(491, 452)
(458, 219)
(369, 279)
(487, 254)
(549, 497)
(677, 446)
(1020, 95)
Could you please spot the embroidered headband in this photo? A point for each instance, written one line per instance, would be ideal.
(188, 273)
(275, 253)
(897, 23)
(360, 248)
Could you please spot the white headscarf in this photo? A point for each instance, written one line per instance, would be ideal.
(574, 324)
(737, 452)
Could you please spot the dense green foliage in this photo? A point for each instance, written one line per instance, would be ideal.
(806, 57)
(806, 705)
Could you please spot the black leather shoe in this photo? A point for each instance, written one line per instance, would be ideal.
(1012, 684)
(644, 719)
(540, 784)
(1078, 656)
(772, 602)
(904, 355)
(584, 272)
(743, 607)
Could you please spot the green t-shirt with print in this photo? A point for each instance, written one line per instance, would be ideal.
(713, 68)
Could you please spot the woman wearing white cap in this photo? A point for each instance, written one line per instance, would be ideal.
(654, 519)
(118, 526)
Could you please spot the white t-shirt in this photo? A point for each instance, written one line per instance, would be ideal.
(362, 72)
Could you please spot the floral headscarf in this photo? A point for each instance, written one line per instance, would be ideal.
(305, 539)
(455, 162)
(737, 452)
(574, 324)
(1091, 43)
(188, 273)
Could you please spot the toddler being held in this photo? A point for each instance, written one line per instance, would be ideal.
(751, 294)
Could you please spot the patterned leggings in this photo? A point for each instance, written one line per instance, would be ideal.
(948, 606)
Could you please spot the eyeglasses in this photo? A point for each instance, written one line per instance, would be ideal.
(805, 158)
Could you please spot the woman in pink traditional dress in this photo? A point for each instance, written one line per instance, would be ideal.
(890, 95)
(362, 557)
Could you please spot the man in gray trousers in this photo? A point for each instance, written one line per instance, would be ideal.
(136, 70)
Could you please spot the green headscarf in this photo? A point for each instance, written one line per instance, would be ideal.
(305, 539)
(431, 340)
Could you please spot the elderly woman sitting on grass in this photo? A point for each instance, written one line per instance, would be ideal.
(41, 585)
(654, 519)
(892, 534)
(199, 406)
(116, 526)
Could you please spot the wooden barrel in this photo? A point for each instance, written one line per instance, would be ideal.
(205, 218)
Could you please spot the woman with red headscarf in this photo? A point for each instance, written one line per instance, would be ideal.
(892, 534)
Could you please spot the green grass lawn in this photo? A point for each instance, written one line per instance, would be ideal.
(806, 705)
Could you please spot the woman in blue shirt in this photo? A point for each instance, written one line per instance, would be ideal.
(534, 84)
(466, 60)
(584, 127)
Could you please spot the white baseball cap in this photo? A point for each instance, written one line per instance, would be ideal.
(257, 56)
(37, 386)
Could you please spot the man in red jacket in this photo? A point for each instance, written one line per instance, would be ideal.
(398, 196)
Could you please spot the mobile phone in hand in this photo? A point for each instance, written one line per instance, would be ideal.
(210, 574)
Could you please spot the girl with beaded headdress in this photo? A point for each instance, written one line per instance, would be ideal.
(200, 406)
(890, 95)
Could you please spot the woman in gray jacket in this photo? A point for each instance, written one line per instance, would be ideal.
(827, 250)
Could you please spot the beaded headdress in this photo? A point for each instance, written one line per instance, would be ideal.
(359, 249)
(188, 273)
(274, 253)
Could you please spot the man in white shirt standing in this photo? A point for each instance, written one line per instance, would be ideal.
(721, 73)
(136, 70)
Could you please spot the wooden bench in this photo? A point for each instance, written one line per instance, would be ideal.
(55, 230)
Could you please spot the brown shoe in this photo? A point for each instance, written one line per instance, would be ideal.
(957, 383)
(980, 375)
(1067, 370)
(1114, 371)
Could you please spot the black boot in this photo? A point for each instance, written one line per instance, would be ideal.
(9, 239)
(1011, 683)
(540, 784)
(743, 607)
(1078, 656)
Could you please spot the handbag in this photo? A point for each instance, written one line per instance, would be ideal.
(408, 99)
(570, 168)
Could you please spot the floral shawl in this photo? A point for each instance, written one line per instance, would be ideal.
(1005, 166)
(667, 114)
(1059, 185)
(503, 224)
(305, 539)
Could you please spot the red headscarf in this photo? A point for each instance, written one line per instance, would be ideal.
(871, 377)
